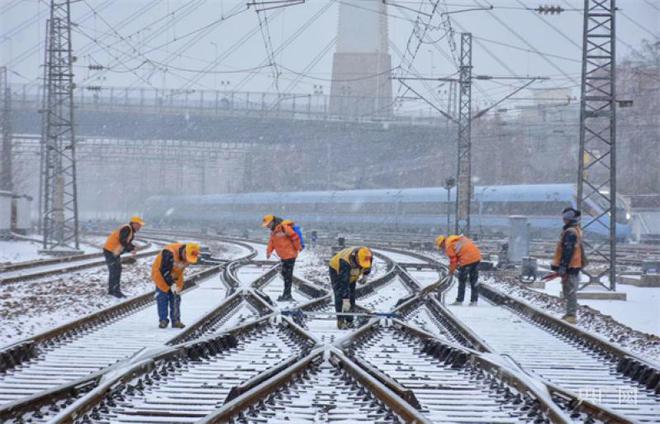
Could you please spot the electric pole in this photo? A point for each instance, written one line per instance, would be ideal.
(6, 183)
(60, 203)
(464, 166)
(597, 161)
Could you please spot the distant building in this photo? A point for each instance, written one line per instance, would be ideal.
(361, 70)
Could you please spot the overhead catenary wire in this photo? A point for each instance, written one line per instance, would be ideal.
(293, 37)
(198, 36)
(268, 45)
(527, 43)
(184, 11)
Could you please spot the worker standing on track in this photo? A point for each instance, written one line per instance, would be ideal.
(167, 273)
(347, 267)
(569, 260)
(287, 244)
(118, 242)
(465, 256)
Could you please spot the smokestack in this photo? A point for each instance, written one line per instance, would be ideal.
(361, 69)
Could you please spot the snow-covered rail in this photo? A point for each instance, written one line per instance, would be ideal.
(50, 366)
(192, 381)
(243, 361)
(42, 268)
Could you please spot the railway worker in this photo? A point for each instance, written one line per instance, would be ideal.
(287, 244)
(465, 256)
(347, 267)
(118, 242)
(167, 273)
(569, 259)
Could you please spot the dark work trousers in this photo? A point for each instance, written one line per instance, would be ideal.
(287, 275)
(171, 300)
(569, 284)
(471, 272)
(114, 267)
(340, 293)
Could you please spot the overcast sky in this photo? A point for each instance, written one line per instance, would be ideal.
(171, 43)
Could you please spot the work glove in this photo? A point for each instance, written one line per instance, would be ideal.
(345, 305)
(562, 271)
(175, 289)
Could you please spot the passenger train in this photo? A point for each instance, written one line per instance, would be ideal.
(410, 209)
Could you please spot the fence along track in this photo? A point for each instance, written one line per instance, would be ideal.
(65, 362)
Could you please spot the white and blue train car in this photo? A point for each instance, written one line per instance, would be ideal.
(410, 209)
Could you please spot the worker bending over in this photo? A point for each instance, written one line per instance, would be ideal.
(167, 273)
(118, 242)
(569, 260)
(286, 243)
(347, 267)
(465, 256)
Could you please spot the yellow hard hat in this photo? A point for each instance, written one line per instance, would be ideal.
(137, 220)
(192, 252)
(267, 220)
(439, 241)
(364, 257)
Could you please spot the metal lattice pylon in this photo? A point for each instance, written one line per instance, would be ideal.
(596, 188)
(60, 206)
(5, 132)
(464, 166)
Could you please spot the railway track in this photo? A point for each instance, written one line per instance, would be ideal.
(57, 266)
(50, 365)
(570, 359)
(243, 361)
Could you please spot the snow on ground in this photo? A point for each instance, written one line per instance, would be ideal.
(589, 319)
(633, 324)
(312, 265)
(640, 311)
(30, 307)
(12, 251)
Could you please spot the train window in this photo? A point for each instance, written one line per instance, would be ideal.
(523, 208)
(423, 208)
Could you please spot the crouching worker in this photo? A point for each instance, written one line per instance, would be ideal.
(118, 242)
(167, 273)
(465, 256)
(569, 260)
(346, 268)
(286, 242)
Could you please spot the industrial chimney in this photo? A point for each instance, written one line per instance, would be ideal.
(361, 70)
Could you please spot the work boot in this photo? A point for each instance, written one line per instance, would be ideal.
(341, 324)
(285, 298)
(178, 324)
(118, 294)
(473, 303)
(569, 319)
(457, 303)
(162, 324)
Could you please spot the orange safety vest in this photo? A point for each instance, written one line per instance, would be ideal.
(285, 241)
(177, 271)
(345, 255)
(112, 244)
(461, 251)
(576, 259)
